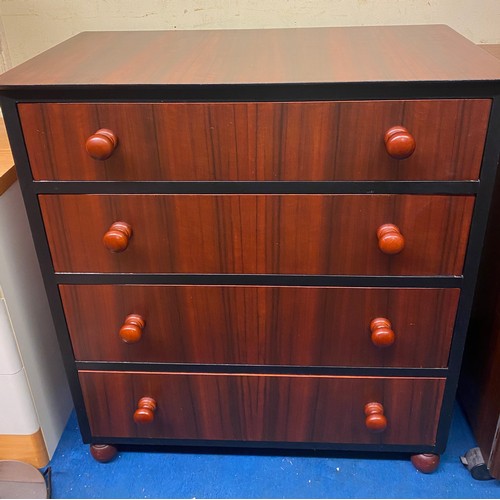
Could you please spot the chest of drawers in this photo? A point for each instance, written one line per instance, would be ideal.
(266, 238)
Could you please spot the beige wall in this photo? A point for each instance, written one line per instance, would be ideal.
(30, 26)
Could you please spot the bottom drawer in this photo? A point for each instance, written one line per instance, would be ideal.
(279, 408)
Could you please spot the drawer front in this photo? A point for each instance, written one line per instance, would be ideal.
(258, 325)
(276, 234)
(278, 408)
(294, 141)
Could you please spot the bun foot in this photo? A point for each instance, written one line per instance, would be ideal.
(103, 452)
(425, 462)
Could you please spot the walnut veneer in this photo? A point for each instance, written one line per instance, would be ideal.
(269, 234)
(256, 325)
(260, 237)
(263, 407)
(256, 141)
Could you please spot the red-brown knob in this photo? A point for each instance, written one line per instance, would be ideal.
(390, 239)
(117, 237)
(101, 144)
(131, 330)
(145, 412)
(399, 143)
(375, 420)
(382, 334)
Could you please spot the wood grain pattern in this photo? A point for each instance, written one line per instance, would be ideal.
(29, 448)
(257, 141)
(283, 234)
(263, 407)
(309, 326)
(306, 55)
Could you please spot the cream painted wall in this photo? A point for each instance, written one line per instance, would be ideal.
(31, 26)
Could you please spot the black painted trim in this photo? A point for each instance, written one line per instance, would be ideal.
(261, 369)
(265, 187)
(260, 279)
(218, 446)
(277, 92)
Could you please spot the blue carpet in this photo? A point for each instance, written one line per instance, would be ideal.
(202, 474)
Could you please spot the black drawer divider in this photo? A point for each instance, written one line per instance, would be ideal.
(250, 187)
(259, 279)
(354, 371)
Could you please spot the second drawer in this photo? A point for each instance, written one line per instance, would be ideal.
(257, 325)
(258, 234)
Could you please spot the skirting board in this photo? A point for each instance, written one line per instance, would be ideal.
(25, 448)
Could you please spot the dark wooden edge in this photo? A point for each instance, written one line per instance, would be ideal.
(264, 187)
(261, 279)
(265, 369)
(271, 446)
(255, 92)
(471, 267)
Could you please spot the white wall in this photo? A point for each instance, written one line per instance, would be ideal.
(31, 26)
(32, 324)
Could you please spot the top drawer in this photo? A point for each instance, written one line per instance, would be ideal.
(265, 141)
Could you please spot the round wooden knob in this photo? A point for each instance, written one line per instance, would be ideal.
(399, 143)
(382, 334)
(101, 144)
(145, 412)
(131, 330)
(117, 237)
(390, 239)
(375, 419)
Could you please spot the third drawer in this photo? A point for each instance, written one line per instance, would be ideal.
(258, 325)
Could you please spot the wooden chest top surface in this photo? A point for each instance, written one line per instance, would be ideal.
(259, 56)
